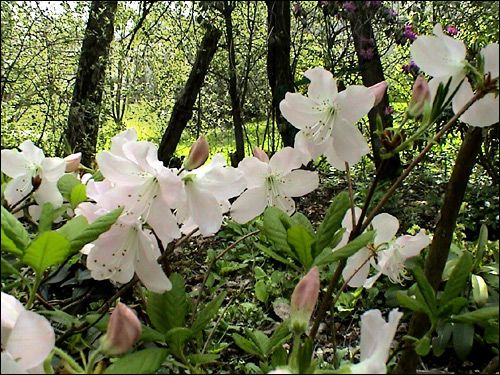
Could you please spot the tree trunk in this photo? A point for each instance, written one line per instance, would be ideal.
(233, 88)
(279, 71)
(372, 72)
(183, 107)
(440, 246)
(83, 119)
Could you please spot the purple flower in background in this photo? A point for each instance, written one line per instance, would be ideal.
(451, 30)
(323, 3)
(411, 67)
(374, 4)
(388, 111)
(349, 6)
(367, 53)
(392, 13)
(297, 9)
(408, 33)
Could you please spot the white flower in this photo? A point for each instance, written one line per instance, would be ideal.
(326, 118)
(390, 255)
(142, 184)
(485, 111)
(376, 339)
(208, 189)
(272, 184)
(27, 338)
(124, 249)
(24, 166)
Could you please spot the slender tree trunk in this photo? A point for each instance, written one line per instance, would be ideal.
(279, 71)
(183, 107)
(233, 87)
(440, 246)
(83, 119)
(372, 72)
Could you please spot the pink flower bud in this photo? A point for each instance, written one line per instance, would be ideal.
(73, 162)
(260, 154)
(304, 298)
(198, 154)
(378, 90)
(124, 329)
(419, 96)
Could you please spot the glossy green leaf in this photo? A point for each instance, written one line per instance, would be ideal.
(481, 246)
(458, 279)
(440, 342)
(426, 289)
(261, 291)
(145, 361)
(13, 229)
(207, 313)
(74, 227)
(168, 310)
(9, 245)
(78, 195)
(332, 221)
(463, 338)
(48, 249)
(479, 290)
(300, 219)
(423, 346)
(66, 184)
(408, 302)
(477, 316)
(247, 345)
(328, 256)
(202, 359)
(276, 224)
(301, 242)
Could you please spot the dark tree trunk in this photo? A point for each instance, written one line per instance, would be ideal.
(440, 246)
(233, 87)
(83, 119)
(279, 71)
(183, 107)
(372, 72)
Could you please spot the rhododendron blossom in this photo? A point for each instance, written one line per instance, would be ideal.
(326, 118)
(28, 166)
(376, 339)
(27, 338)
(272, 184)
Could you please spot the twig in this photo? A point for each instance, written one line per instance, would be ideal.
(351, 194)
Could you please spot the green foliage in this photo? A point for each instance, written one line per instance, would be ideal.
(145, 361)
(48, 249)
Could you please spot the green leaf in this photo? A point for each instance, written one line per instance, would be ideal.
(423, 346)
(426, 289)
(207, 313)
(452, 307)
(491, 333)
(481, 246)
(168, 310)
(260, 339)
(145, 361)
(477, 316)
(275, 256)
(202, 359)
(178, 336)
(48, 215)
(66, 184)
(276, 224)
(94, 230)
(74, 227)
(48, 249)
(78, 195)
(8, 268)
(332, 221)
(301, 242)
(261, 291)
(9, 246)
(463, 337)
(14, 230)
(327, 256)
(458, 279)
(279, 336)
(479, 290)
(440, 342)
(300, 219)
(410, 303)
(247, 345)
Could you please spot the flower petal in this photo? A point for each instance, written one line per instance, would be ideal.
(348, 143)
(120, 139)
(254, 170)
(31, 340)
(163, 221)
(48, 192)
(323, 86)
(353, 103)
(204, 209)
(10, 366)
(119, 170)
(309, 149)
(249, 205)
(300, 111)
(18, 188)
(32, 153)
(412, 245)
(386, 227)
(52, 168)
(285, 204)
(355, 262)
(347, 220)
(11, 308)
(299, 182)
(14, 164)
(285, 160)
(490, 55)
(148, 269)
(484, 112)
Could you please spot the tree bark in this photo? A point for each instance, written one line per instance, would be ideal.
(371, 70)
(443, 234)
(83, 118)
(233, 87)
(279, 71)
(183, 107)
